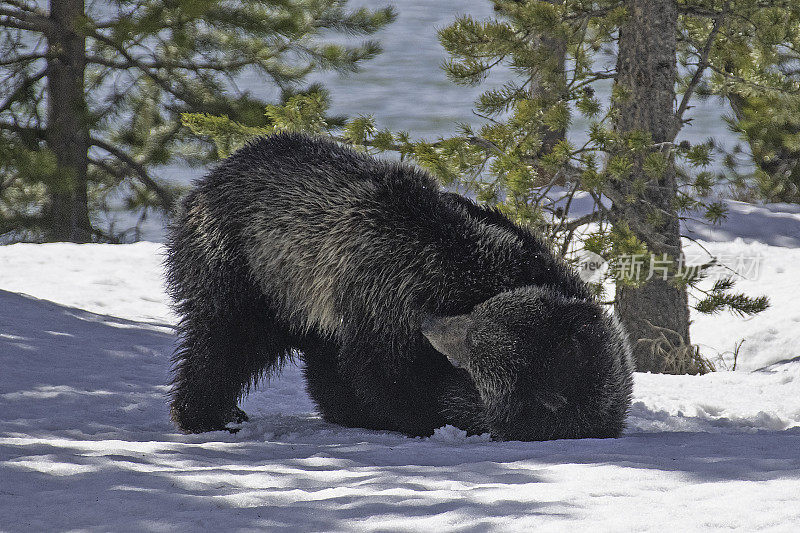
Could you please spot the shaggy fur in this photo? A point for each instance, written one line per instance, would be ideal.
(296, 244)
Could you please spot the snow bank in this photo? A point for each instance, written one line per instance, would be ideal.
(86, 443)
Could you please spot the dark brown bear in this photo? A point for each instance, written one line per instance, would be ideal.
(412, 308)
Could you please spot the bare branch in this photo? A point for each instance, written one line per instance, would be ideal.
(25, 130)
(23, 58)
(132, 62)
(701, 68)
(486, 144)
(582, 221)
(26, 83)
(25, 6)
(10, 23)
(138, 169)
(25, 20)
(147, 69)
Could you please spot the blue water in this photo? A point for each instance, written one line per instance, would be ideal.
(405, 89)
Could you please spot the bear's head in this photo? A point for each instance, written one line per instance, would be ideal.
(546, 365)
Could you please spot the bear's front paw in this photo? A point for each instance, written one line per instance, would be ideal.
(194, 421)
(236, 416)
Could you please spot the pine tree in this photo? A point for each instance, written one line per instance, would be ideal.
(630, 167)
(768, 168)
(91, 100)
(766, 115)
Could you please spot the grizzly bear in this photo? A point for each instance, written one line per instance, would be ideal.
(410, 307)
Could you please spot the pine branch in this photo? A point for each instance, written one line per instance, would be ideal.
(583, 15)
(704, 12)
(109, 169)
(752, 84)
(156, 65)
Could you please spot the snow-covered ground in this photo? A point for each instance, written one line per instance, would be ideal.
(86, 444)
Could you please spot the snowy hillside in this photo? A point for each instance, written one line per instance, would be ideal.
(85, 440)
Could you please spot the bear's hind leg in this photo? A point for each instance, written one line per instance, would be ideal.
(334, 397)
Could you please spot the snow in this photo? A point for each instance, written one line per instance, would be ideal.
(86, 443)
(773, 224)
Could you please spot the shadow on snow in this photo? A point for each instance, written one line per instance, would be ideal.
(85, 422)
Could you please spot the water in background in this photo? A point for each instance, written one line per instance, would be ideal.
(406, 90)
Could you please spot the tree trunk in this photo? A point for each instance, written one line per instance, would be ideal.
(67, 128)
(550, 87)
(646, 77)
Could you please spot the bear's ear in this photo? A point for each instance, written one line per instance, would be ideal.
(448, 335)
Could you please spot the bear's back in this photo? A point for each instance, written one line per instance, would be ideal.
(316, 167)
(331, 233)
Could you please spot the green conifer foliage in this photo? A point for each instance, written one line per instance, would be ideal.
(90, 100)
(519, 160)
